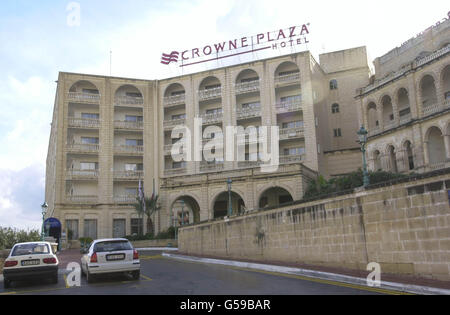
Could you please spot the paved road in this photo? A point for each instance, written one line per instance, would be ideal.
(160, 275)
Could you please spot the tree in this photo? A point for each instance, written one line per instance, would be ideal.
(151, 206)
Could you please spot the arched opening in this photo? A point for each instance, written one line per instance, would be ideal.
(409, 155)
(446, 83)
(128, 95)
(436, 146)
(247, 81)
(84, 87)
(372, 116)
(220, 207)
(287, 71)
(377, 161)
(428, 90)
(185, 210)
(392, 159)
(274, 197)
(388, 111)
(403, 103)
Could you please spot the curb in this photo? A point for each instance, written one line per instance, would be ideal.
(167, 249)
(406, 288)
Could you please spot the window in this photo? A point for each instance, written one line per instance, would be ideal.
(337, 133)
(281, 74)
(179, 117)
(249, 80)
(137, 225)
(134, 118)
(90, 229)
(178, 165)
(131, 191)
(134, 167)
(333, 85)
(90, 116)
(89, 166)
(134, 142)
(214, 111)
(212, 87)
(248, 106)
(405, 112)
(30, 249)
(292, 125)
(447, 96)
(72, 229)
(335, 108)
(133, 94)
(89, 140)
(176, 93)
(291, 99)
(294, 151)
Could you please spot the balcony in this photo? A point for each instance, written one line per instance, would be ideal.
(128, 175)
(209, 119)
(211, 167)
(83, 123)
(288, 159)
(287, 79)
(292, 133)
(210, 94)
(433, 56)
(390, 125)
(174, 100)
(435, 108)
(247, 87)
(129, 149)
(127, 199)
(76, 174)
(248, 113)
(175, 171)
(81, 97)
(172, 123)
(83, 148)
(128, 101)
(289, 106)
(128, 125)
(82, 199)
(249, 164)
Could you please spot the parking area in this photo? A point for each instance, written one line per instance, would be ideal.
(164, 276)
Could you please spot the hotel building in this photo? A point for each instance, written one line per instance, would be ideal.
(110, 134)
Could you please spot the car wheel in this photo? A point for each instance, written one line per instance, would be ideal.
(136, 275)
(89, 277)
(6, 283)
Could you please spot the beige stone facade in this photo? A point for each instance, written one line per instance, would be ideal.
(109, 134)
(406, 108)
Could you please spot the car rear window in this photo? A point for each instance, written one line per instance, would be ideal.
(112, 246)
(30, 249)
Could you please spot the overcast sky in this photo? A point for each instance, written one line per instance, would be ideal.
(38, 39)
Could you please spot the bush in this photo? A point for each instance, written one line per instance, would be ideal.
(9, 237)
(168, 234)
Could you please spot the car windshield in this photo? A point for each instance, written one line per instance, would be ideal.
(112, 246)
(30, 249)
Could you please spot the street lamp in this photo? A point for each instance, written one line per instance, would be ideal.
(362, 134)
(230, 209)
(44, 208)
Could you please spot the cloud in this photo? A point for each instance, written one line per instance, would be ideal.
(21, 193)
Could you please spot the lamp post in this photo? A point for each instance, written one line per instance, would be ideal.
(44, 208)
(362, 134)
(230, 208)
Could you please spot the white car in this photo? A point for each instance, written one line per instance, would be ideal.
(34, 260)
(110, 256)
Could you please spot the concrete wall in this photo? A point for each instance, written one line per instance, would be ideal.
(404, 227)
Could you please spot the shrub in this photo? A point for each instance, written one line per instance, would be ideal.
(9, 237)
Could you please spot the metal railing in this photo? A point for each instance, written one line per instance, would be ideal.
(289, 133)
(83, 97)
(289, 106)
(131, 175)
(212, 118)
(248, 113)
(81, 174)
(294, 77)
(209, 167)
(128, 101)
(210, 94)
(82, 199)
(247, 87)
(175, 171)
(286, 159)
(131, 149)
(435, 108)
(174, 100)
(125, 199)
(174, 122)
(82, 147)
(120, 124)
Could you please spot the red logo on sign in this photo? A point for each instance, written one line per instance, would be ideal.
(173, 57)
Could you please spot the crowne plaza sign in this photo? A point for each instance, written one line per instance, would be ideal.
(282, 38)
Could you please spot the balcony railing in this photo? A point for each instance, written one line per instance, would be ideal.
(168, 124)
(433, 56)
(81, 174)
(249, 164)
(132, 125)
(247, 87)
(129, 175)
(405, 119)
(292, 133)
(212, 118)
(131, 101)
(288, 78)
(210, 94)
(125, 199)
(174, 100)
(84, 123)
(289, 106)
(81, 199)
(390, 125)
(129, 149)
(175, 171)
(83, 97)
(436, 108)
(286, 159)
(83, 148)
(211, 167)
(248, 113)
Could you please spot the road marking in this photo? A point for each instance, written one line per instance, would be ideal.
(146, 278)
(330, 282)
(65, 281)
(151, 257)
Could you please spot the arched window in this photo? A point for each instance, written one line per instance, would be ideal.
(333, 85)
(335, 108)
